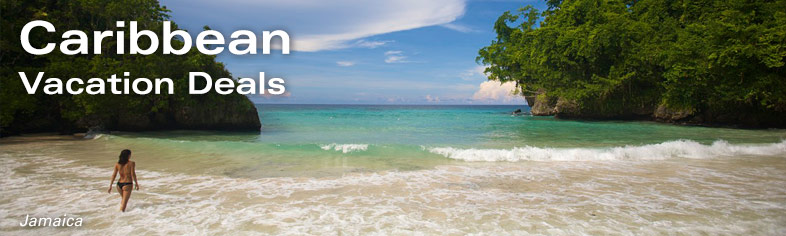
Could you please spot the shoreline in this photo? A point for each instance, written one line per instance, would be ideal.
(595, 197)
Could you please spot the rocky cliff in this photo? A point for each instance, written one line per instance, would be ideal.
(232, 112)
(739, 116)
(235, 114)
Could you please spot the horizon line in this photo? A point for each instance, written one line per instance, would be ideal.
(388, 104)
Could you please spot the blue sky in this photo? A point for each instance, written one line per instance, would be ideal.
(363, 51)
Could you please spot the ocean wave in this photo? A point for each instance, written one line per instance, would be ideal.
(452, 199)
(661, 151)
(93, 136)
(345, 148)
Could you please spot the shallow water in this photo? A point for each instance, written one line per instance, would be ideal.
(407, 169)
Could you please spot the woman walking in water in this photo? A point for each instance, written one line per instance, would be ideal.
(127, 171)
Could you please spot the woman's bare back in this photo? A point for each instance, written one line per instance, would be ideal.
(125, 171)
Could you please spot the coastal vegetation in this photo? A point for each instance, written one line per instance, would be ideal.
(22, 112)
(710, 62)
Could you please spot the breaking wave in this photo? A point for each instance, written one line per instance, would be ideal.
(345, 148)
(665, 150)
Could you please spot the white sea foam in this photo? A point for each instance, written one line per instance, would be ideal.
(665, 150)
(345, 148)
(92, 135)
(496, 200)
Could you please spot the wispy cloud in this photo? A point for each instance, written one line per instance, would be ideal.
(459, 28)
(345, 63)
(317, 25)
(395, 57)
(392, 53)
(371, 44)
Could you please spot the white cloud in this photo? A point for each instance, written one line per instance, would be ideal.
(494, 91)
(345, 63)
(434, 99)
(459, 28)
(395, 57)
(316, 25)
(371, 44)
(392, 53)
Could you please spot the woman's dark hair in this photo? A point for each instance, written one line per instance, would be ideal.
(124, 155)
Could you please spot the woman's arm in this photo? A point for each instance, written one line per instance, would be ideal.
(114, 174)
(133, 173)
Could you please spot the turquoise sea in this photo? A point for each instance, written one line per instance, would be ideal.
(408, 169)
(471, 127)
(401, 137)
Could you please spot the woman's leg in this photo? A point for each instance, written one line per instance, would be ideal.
(126, 196)
(120, 191)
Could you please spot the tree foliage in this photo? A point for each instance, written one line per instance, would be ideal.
(21, 112)
(707, 55)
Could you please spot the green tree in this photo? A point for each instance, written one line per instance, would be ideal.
(622, 59)
(21, 112)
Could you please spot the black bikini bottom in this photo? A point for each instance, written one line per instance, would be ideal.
(121, 185)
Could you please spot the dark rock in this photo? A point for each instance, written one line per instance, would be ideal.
(662, 113)
(600, 110)
(542, 105)
(725, 115)
(568, 108)
(229, 115)
(95, 132)
(530, 100)
(233, 112)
